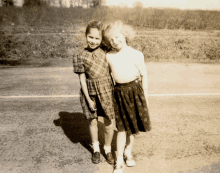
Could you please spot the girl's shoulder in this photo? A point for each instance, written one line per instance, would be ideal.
(135, 54)
(86, 53)
(99, 51)
(79, 52)
(112, 52)
(134, 51)
(81, 55)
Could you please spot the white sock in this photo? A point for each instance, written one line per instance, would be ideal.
(107, 149)
(127, 151)
(120, 160)
(96, 147)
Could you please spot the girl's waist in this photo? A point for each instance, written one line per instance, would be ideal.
(100, 78)
(125, 78)
(137, 80)
(100, 84)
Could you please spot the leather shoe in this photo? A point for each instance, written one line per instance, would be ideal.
(109, 158)
(96, 157)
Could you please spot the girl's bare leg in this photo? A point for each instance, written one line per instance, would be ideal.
(121, 141)
(109, 131)
(93, 126)
(127, 153)
(130, 142)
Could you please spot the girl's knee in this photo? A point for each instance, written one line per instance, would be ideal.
(109, 128)
(122, 133)
(130, 135)
(93, 122)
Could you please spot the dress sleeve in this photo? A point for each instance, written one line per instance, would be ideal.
(140, 64)
(78, 64)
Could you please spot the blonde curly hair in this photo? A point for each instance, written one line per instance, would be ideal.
(110, 28)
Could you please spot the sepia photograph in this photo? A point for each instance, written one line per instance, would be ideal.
(109, 86)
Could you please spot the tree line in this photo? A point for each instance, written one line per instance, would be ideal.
(58, 3)
(166, 18)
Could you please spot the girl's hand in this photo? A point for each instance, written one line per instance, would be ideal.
(146, 97)
(147, 102)
(92, 105)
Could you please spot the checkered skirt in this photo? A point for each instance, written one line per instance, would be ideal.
(103, 99)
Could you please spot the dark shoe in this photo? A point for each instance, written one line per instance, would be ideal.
(96, 157)
(109, 158)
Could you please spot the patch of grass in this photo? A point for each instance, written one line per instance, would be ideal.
(178, 48)
(47, 49)
(20, 49)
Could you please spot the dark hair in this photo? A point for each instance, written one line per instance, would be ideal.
(94, 24)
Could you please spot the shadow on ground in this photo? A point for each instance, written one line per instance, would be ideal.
(76, 128)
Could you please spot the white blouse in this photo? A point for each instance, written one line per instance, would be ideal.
(126, 65)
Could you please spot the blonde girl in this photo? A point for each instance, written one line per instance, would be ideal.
(131, 90)
(96, 94)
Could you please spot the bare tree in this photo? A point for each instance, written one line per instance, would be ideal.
(93, 3)
(87, 2)
(7, 2)
(96, 3)
(138, 4)
(78, 2)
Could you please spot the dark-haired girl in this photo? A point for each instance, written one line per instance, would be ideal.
(96, 94)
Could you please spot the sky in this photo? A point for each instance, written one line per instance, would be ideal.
(182, 4)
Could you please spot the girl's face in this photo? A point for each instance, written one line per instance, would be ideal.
(118, 41)
(94, 38)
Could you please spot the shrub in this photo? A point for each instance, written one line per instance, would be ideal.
(7, 2)
(35, 3)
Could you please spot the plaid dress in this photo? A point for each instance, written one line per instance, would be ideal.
(98, 80)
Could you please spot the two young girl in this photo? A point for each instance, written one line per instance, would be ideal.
(129, 104)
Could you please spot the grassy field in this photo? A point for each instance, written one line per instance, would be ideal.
(43, 129)
(51, 49)
(43, 36)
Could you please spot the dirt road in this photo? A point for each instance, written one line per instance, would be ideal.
(49, 134)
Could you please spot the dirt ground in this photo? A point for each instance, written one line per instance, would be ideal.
(43, 130)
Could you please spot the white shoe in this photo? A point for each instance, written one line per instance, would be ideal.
(118, 168)
(129, 160)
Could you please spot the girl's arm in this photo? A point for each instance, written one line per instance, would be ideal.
(110, 70)
(143, 72)
(82, 78)
(113, 81)
(145, 86)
